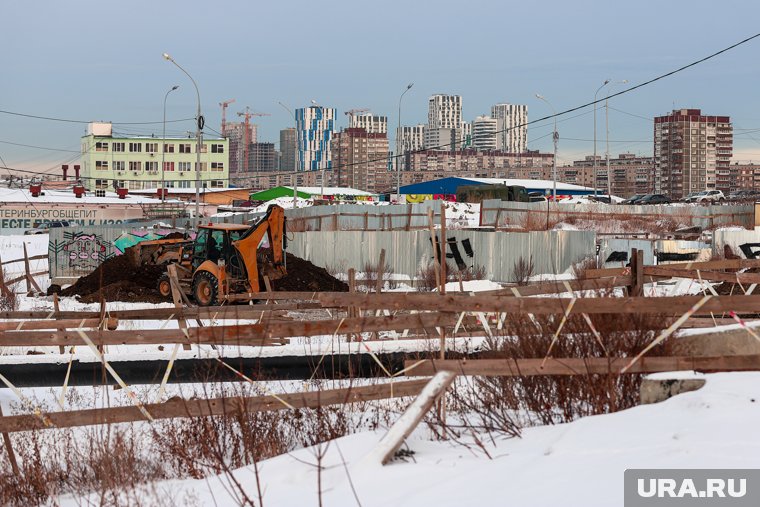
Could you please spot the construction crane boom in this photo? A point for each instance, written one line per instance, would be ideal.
(224, 105)
(248, 114)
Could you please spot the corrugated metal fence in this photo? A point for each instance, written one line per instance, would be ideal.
(407, 251)
(502, 213)
(77, 251)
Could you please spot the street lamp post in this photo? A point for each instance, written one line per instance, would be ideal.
(607, 126)
(606, 82)
(199, 122)
(398, 143)
(295, 169)
(555, 137)
(163, 146)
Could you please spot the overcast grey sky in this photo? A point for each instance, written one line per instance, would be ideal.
(87, 60)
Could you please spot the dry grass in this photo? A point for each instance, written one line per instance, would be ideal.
(374, 272)
(522, 270)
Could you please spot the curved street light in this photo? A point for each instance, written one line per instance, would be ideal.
(163, 146)
(198, 135)
(555, 137)
(607, 126)
(398, 131)
(606, 82)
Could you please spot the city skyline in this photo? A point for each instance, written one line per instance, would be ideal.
(55, 80)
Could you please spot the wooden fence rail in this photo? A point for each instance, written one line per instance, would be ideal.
(183, 408)
(582, 366)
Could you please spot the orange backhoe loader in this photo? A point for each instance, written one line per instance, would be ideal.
(223, 259)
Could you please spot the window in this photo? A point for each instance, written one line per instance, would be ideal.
(101, 165)
(135, 185)
(168, 166)
(184, 148)
(117, 147)
(217, 148)
(168, 148)
(135, 147)
(204, 166)
(217, 166)
(151, 166)
(169, 184)
(118, 165)
(217, 183)
(184, 184)
(101, 146)
(185, 166)
(135, 166)
(101, 184)
(151, 147)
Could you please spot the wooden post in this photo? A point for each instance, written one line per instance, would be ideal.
(57, 313)
(380, 269)
(434, 242)
(637, 273)
(171, 269)
(29, 279)
(443, 247)
(9, 448)
(408, 217)
(335, 221)
(366, 220)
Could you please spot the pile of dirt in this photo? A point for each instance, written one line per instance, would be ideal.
(305, 276)
(117, 279)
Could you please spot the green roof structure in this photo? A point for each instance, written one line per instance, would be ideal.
(274, 193)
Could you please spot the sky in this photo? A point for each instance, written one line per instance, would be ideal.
(102, 61)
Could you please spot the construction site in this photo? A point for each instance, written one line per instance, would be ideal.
(293, 337)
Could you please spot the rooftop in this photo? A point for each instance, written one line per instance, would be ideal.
(24, 196)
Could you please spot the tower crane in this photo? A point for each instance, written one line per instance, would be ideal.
(224, 105)
(351, 112)
(248, 114)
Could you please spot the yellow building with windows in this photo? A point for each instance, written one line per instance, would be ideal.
(138, 162)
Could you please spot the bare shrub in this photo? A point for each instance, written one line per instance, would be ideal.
(581, 266)
(373, 272)
(522, 270)
(538, 221)
(544, 399)
(426, 277)
(472, 273)
(8, 300)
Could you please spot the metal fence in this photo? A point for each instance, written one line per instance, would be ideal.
(77, 251)
(350, 217)
(744, 243)
(615, 252)
(496, 213)
(407, 251)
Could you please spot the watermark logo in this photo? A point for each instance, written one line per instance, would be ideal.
(684, 487)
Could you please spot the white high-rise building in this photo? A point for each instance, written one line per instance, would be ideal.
(465, 135)
(484, 133)
(512, 127)
(314, 129)
(443, 139)
(408, 140)
(444, 112)
(372, 124)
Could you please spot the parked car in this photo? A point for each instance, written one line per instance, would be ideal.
(654, 199)
(709, 196)
(44, 227)
(604, 199)
(537, 197)
(690, 197)
(634, 199)
(744, 195)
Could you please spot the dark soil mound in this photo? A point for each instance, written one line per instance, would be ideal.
(305, 276)
(124, 290)
(116, 269)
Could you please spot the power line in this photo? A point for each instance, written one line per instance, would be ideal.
(67, 120)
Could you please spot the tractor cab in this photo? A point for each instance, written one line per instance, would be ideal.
(215, 243)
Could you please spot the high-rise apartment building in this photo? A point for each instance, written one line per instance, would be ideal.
(361, 160)
(314, 130)
(235, 132)
(443, 139)
(692, 152)
(512, 127)
(370, 123)
(444, 111)
(484, 133)
(288, 149)
(408, 139)
(261, 158)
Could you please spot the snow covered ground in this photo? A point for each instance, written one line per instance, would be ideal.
(579, 463)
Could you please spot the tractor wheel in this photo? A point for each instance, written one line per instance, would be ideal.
(205, 289)
(164, 286)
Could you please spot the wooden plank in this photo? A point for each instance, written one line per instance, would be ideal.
(307, 296)
(177, 407)
(548, 305)
(582, 366)
(262, 334)
(706, 265)
(61, 324)
(204, 312)
(24, 277)
(404, 425)
(712, 276)
(380, 270)
(9, 449)
(29, 278)
(32, 258)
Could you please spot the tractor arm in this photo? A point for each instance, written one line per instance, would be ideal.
(273, 224)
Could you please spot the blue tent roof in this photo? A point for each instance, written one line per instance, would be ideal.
(449, 186)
